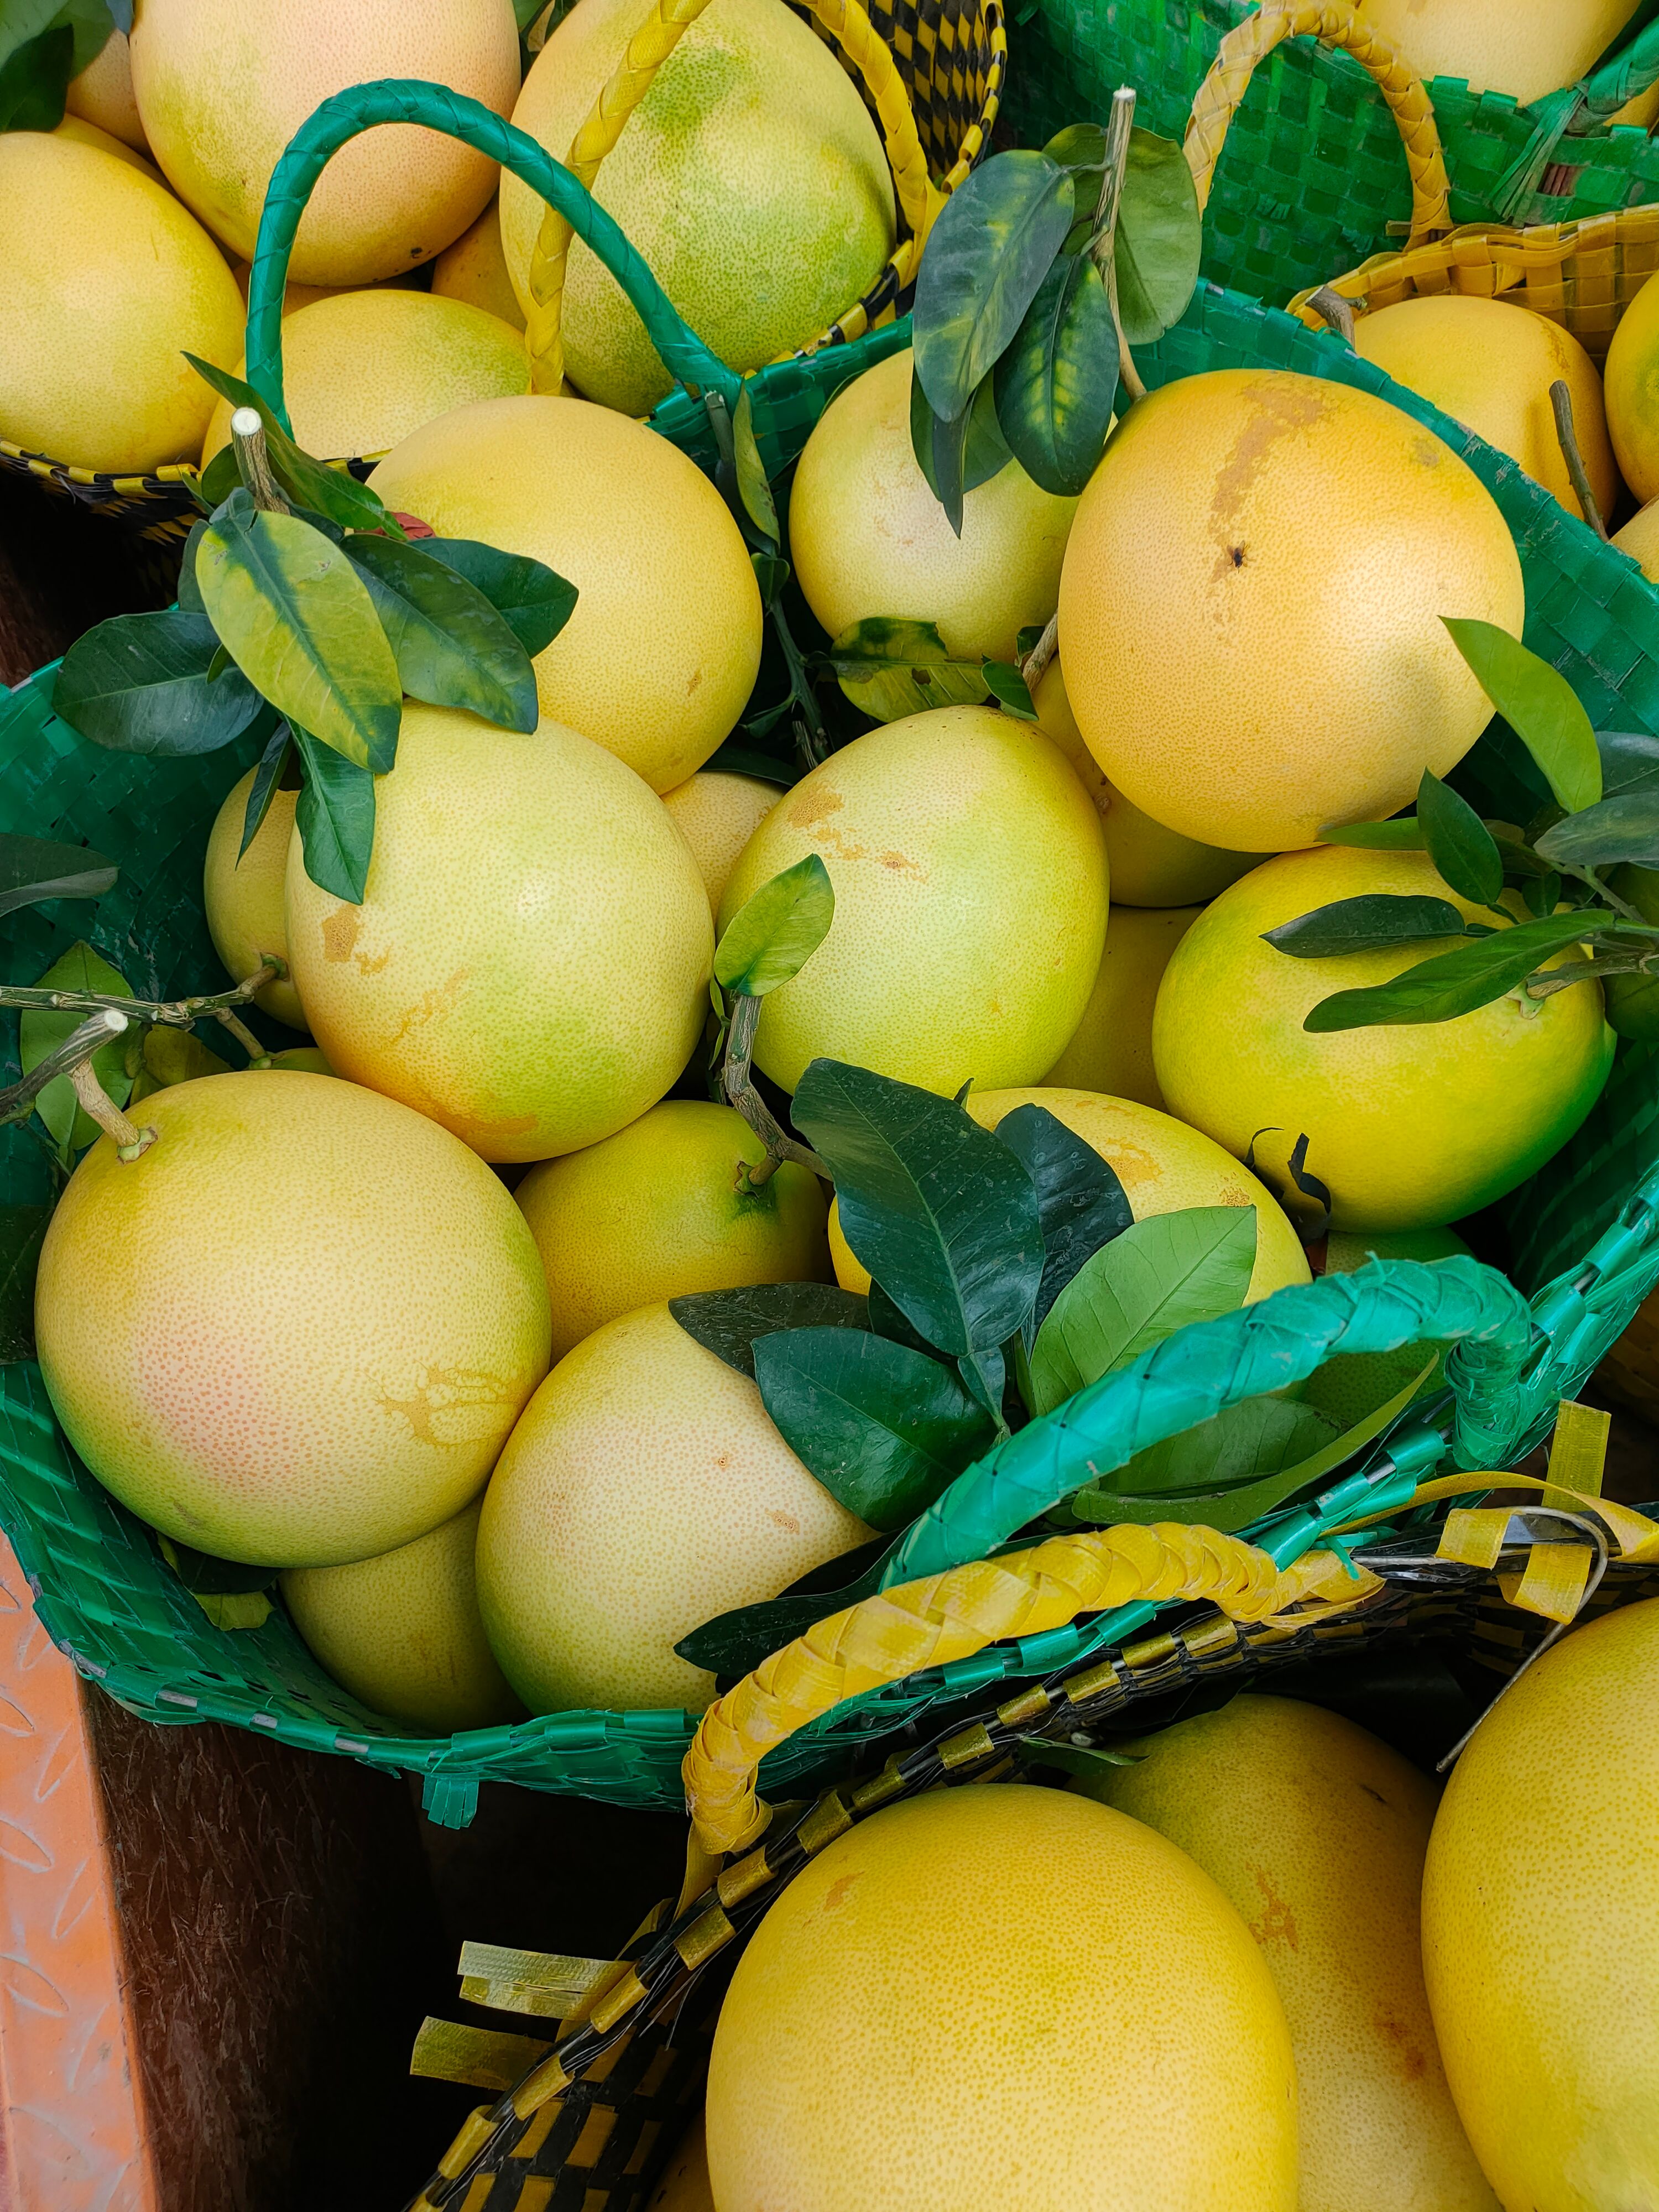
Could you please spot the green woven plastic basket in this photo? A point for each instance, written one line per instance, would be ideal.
(1585, 1231)
(1312, 180)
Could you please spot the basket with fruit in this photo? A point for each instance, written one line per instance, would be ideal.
(1545, 111)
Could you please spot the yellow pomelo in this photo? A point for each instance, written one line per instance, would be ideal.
(1316, 1831)
(221, 94)
(1489, 366)
(658, 1211)
(850, 1273)
(993, 1997)
(658, 659)
(362, 369)
(474, 269)
(1517, 47)
(684, 2186)
(102, 93)
(1410, 1126)
(297, 1329)
(1111, 1048)
(1541, 1926)
(402, 1631)
(970, 903)
(868, 538)
(1164, 1167)
(1355, 1383)
(244, 898)
(717, 814)
(88, 134)
(530, 962)
(1149, 865)
(1640, 539)
(105, 283)
(1633, 393)
(643, 1491)
(750, 178)
(1250, 613)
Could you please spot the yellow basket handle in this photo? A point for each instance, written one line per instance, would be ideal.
(952, 1615)
(647, 49)
(1223, 89)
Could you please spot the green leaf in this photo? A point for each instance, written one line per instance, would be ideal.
(1377, 922)
(334, 815)
(23, 1232)
(333, 492)
(752, 488)
(34, 78)
(533, 599)
(1081, 1204)
(1262, 1435)
(733, 1643)
(302, 627)
(1405, 835)
(1630, 761)
(40, 1034)
(773, 934)
(1622, 829)
(889, 668)
(1056, 386)
(1085, 1760)
(885, 1429)
(984, 451)
(1152, 1279)
(1457, 982)
(36, 868)
(139, 684)
(213, 488)
(1160, 237)
(203, 1576)
(728, 1322)
(988, 251)
(942, 1214)
(1462, 848)
(1009, 689)
(262, 789)
(737, 760)
(88, 23)
(452, 647)
(1080, 148)
(1539, 706)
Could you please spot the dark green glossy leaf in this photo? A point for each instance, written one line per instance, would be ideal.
(1009, 689)
(1402, 836)
(23, 1232)
(335, 817)
(139, 684)
(1080, 148)
(1159, 238)
(887, 1320)
(889, 668)
(203, 1576)
(1056, 386)
(1080, 1202)
(885, 1429)
(1539, 706)
(728, 1322)
(302, 627)
(1155, 1278)
(972, 449)
(733, 1643)
(1630, 761)
(533, 599)
(738, 760)
(36, 868)
(1458, 843)
(1632, 1003)
(1622, 829)
(34, 77)
(217, 481)
(773, 934)
(452, 647)
(941, 1214)
(333, 492)
(1262, 1435)
(1377, 922)
(752, 488)
(1456, 983)
(988, 251)
(262, 789)
(40, 1034)
(771, 575)
(1087, 1761)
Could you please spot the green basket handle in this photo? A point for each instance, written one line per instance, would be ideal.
(361, 107)
(1208, 1366)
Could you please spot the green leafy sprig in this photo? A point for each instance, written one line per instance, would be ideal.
(44, 44)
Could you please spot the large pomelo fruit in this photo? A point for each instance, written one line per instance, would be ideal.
(530, 962)
(298, 1328)
(993, 1997)
(1316, 1831)
(1111, 1048)
(1513, 47)
(1410, 1125)
(868, 537)
(1541, 1926)
(970, 903)
(474, 269)
(243, 893)
(717, 814)
(220, 91)
(1250, 611)
(102, 93)
(659, 656)
(751, 178)
(105, 283)
(644, 1491)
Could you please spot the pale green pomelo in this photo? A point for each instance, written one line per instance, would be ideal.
(402, 1633)
(297, 1329)
(530, 962)
(751, 178)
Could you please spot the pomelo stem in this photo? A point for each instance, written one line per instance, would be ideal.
(1035, 667)
(1102, 247)
(1338, 313)
(174, 1013)
(243, 1035)
(130, 1140)
(17, 1103)
(247, 435)
(1566, 431)
(738, 1086)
